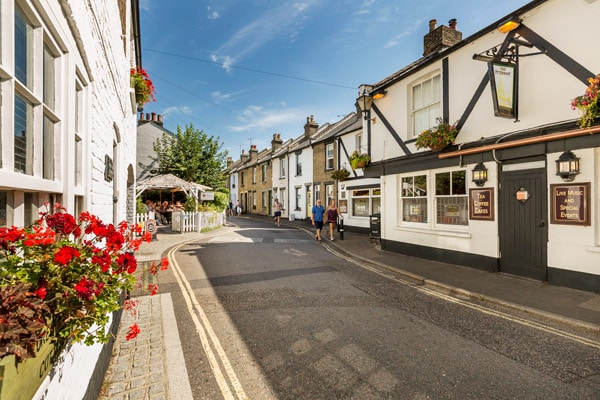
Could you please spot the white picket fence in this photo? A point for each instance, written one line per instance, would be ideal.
(188, 221)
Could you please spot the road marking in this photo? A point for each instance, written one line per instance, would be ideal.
(477, 307)
(207, 336)
(295, 252)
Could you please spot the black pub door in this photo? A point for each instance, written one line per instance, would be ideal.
(523, 223)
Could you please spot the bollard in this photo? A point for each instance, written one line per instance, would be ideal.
(341, 228)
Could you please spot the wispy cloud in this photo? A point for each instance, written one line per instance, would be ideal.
(396, 40)
(257, 118)
(177, 110)
(285, 20)
(213, 14)
(145, 5)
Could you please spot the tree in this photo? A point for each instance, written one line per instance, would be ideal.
(193, 156)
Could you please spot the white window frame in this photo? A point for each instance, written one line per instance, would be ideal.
(299, 164)
(369, 198)
(329, 156)
(282, 162)
(451, 207)
(426, 103)
(414, 202)
(254, 174)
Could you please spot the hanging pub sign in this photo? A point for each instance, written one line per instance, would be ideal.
(481, 204)
(570, 204)
(503, 80)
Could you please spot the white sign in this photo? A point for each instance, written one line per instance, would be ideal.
(207, 196)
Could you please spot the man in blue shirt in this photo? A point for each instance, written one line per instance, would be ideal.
(317, 218)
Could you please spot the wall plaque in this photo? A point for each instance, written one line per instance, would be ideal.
(481, 204)
(570, 204)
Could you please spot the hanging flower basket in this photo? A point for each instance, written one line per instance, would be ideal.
(587, 103)
(438, 137)
(340, 174)
(144, 88)
(358, 160)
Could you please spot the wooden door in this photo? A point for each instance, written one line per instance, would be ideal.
(523, 213)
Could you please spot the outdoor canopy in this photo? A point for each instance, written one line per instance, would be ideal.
(172, 183)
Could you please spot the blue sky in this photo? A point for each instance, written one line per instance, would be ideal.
(242, 70)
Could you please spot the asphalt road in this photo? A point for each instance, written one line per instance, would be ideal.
(269, 313)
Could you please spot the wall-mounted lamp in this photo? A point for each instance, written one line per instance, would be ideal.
(380, 94)
(509, 25)
(479, 174)
(364, 104)
(567, 166)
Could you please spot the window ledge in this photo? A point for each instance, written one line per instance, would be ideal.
(432, 231)
(593, 249)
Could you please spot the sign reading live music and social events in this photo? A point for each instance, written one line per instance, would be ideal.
(570, 204)
(481, 204)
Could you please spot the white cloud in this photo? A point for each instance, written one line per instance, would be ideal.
(286, 20)
(177, 109)
(145, 5)
(395, 41)
(212, 14)
(256, 118)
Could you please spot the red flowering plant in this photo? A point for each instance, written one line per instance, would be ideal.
(587, 103)
(62, 277)
(144, 88)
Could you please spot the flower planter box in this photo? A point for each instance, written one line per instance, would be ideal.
(21, 381)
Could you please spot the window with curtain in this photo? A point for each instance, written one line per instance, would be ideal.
(426, 104)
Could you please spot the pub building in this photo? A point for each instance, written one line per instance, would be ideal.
(517, 190)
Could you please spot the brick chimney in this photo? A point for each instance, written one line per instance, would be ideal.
(154, 117)
(440, 38)
(311, 127)
(229, 161)
(243, 156)
(276, 142)
(253, 152)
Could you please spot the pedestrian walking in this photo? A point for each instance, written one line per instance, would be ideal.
(317, 218)
(277, 208)
(238, 208)
(230, 209)
(332, 215)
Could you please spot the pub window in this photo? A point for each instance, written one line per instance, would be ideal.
(414, 198)
(426, 104)
(451, 201)
(365, 202)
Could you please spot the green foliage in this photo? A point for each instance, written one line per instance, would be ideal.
(190, 204)
(193, 156)
(221, 200)
(358, 160)
(140, 208)
(438, 137)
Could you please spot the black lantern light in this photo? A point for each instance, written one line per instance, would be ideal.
(567, 166)
(364, 103)
(479, 174)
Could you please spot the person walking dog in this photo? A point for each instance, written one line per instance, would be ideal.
(317, 218)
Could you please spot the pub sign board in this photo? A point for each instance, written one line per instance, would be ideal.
(481, 204)
(570, 204)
